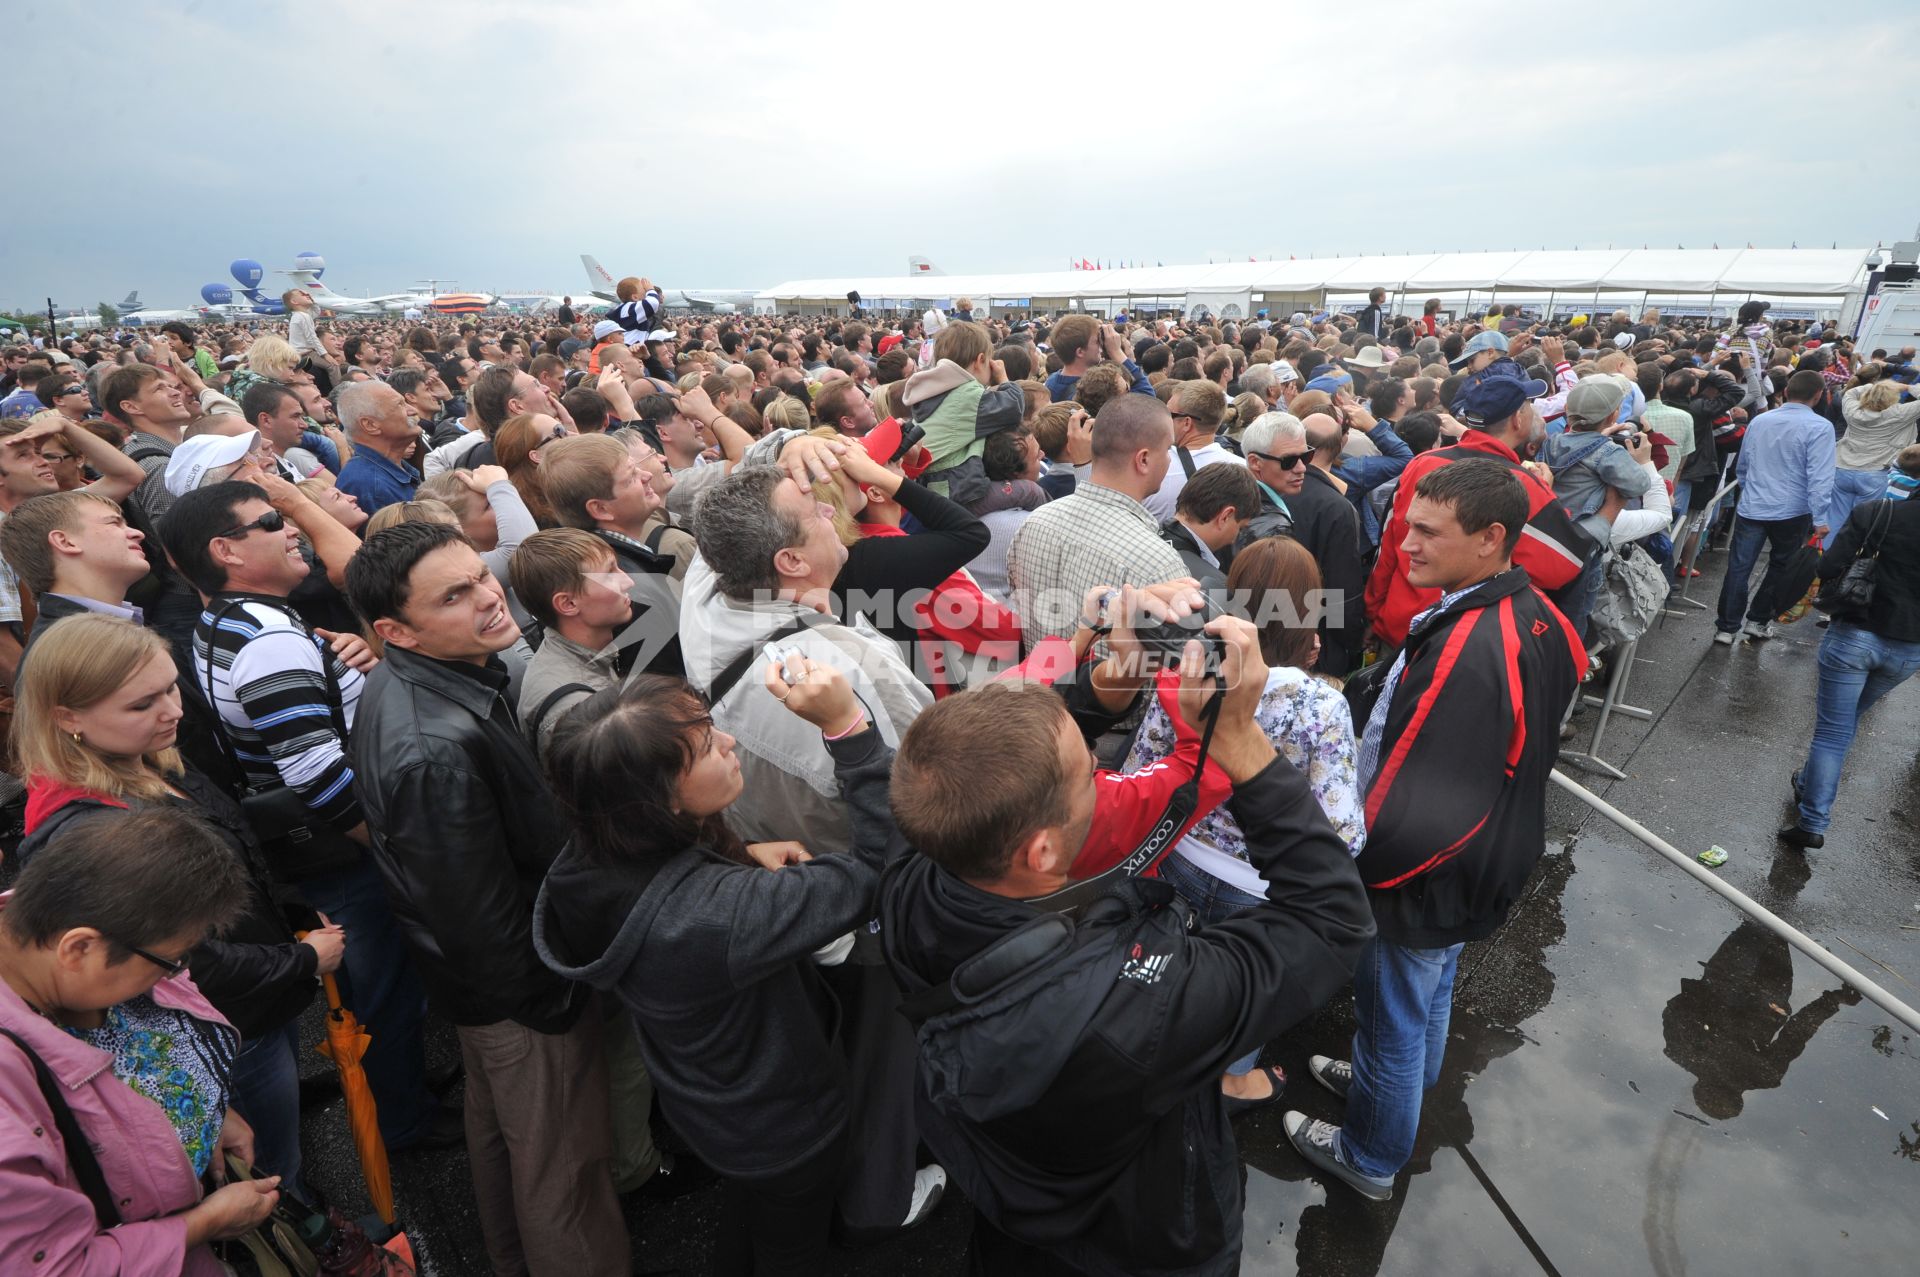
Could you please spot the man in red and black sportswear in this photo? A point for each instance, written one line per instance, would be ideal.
(1453, 761)
(1494, 403)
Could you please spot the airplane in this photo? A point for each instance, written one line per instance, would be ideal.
(539, 303)
(717, 301)
(134, 315)
(921, 266)
(308, 267)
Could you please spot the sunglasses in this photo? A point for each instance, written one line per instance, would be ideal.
(57, 458)
(1287, 462)
(271, 521)
(171, 968)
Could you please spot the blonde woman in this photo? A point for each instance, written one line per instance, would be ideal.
(788, 413)
(1878, 427)
(488, 508)
(97, 713)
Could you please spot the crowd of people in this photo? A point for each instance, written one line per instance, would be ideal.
(912, 749)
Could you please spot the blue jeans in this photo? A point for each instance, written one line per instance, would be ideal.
(266, 1092)
(379, 985)
(1857, 668)
(1850, 488)
(1214, 901)
(1402, 1002)
(1781, 537)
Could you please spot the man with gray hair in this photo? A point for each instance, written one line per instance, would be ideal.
(762, 584)
(1276, 449)
(375, 418)
(1102, 532)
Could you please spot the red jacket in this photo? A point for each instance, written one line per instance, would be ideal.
(1128, 806)
(958, 612)
(1552, 548)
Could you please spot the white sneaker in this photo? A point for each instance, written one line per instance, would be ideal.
(1724, 637)
(1758, 629)
(929, 1183)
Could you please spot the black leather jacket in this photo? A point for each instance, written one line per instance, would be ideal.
(463, 831)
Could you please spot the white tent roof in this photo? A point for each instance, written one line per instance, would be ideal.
(1802, 272)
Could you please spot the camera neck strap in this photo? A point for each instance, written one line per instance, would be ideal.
(1159, 841)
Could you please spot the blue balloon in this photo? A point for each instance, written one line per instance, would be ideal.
(247, 271)
(215, 294)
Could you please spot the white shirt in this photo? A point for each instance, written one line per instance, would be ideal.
(1160, 504)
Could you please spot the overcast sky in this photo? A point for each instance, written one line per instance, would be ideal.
(739, 145)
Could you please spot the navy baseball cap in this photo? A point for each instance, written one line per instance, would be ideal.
(1495, 393)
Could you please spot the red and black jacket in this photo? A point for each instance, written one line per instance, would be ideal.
(1553, 548)
(1456, 809)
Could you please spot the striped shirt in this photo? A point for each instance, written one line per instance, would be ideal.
(269, 687)
(640, 314)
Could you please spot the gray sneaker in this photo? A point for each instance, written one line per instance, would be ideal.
(1724, 637)
(1316, 1141)
(1335, 1075)
(1758, 629)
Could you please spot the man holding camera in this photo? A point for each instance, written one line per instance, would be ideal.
(1070, 1058)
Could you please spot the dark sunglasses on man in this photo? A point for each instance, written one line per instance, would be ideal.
(271, 521)
(1287, 462)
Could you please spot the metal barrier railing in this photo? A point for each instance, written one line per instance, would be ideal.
(1746, 904)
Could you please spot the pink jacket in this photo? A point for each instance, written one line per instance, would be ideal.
(47, 1225)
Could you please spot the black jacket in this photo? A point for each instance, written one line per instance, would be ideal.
(1271, 521)
(1325, 521)
(1075, 1096)
(1718, 395)
(1212, 577)
(463, 831)
(1456, 810)
(713, 960)
(257, 974)
(881, 571)
(1895, 611)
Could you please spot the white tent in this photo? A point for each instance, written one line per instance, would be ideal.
(1226, 288)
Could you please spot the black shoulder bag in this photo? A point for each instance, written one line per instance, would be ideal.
(296, 843)
(736, 669)
(1851, 596)
(86, 1167)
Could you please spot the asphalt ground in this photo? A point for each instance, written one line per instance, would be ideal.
(1638, 1080)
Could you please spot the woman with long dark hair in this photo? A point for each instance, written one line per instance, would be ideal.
(709, 942)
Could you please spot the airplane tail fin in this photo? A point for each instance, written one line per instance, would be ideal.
(131, 302)
(921, 266)
(601, 280)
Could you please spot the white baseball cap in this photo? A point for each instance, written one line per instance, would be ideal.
(193, 460)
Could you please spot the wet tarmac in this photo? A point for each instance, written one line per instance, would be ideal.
(1638, 1080)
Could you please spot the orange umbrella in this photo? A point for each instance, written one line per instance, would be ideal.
(346, 1043)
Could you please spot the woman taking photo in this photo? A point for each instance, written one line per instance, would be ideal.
(94, 940)
(709, 942)
(1274, 581)
(97, 711)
